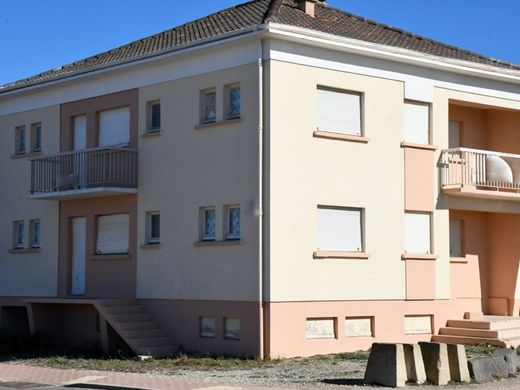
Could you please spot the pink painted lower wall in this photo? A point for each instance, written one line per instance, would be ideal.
(181, 318)
(504, 260)
(286, 323)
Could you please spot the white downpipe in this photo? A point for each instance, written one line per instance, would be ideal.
(260, 192)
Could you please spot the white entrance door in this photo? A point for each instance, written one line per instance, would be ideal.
(79, 241)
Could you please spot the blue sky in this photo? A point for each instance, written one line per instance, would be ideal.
(37, 35)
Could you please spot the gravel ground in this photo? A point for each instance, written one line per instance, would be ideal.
(342, 372)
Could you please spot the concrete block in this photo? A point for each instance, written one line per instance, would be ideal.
(485, 369)
(436, 363)
(511, 359)
(458, 362)
(414, 363)
(386, 365)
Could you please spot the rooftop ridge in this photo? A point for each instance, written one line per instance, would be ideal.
(252, 14)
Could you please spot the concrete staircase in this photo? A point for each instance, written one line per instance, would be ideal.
(493, 330)
(137, 327)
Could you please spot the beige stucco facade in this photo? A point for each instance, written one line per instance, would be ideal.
(272, 279)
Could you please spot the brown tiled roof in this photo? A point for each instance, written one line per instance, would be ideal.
(255, 13)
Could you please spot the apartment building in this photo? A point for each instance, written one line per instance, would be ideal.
(281, 178)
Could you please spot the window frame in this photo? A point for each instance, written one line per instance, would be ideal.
(150, 128)
(36, 135)
(462, 242)
(150, 239)
(430, 111)
(226, 331)
(19, 131)
(203, 214)
(344, 134)
(32, 233)
(201, 327)
(203, 105)
(430, 237)
(17, 244)
(362, 228)
(228, 88)
(100, 253)
(229, 235)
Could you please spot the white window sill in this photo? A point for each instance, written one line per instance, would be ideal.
(418, 146)
(340, 136)
(26, 155)
(418, 256)
(151, 133)
(340, 255)
(23, 251)
(217, 243)
(458, 260)
(122, 256)
(150, 245)
(208, 125)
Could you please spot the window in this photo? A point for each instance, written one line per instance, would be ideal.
(339, 229)
(153, 227)
(36, 137)
(112, 234)
(80, 132)
(454, 134)
(209, 223)
(233, 101)
(320, 328)
(339, 111)
(19, 235)
(34, 227)
(209, 105)
(359, 326)
(417, 122)
(420, 324)
(233, 223)
(456, 238)
(20, 138)
(153, 116)
(417, 233)
(232, 328)
(207, 327)
(114, 127)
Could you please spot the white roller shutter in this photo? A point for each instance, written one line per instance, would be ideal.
(339, 230)
(417, 233)
(416, 123)
(112, 235)
(80, 132)
(114, 127)
(338, 112)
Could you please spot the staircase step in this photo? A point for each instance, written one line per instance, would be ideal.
(151, 342)
(138, 325)
(133, 317)
(157, 351)
(449, 331)
(129, 309)
(496, 334)
(468, 324)
(469, 340)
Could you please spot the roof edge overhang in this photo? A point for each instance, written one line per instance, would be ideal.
(355, 46)
(299, 35)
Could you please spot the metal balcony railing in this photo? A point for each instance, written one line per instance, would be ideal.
(90, 168)
(480, 168)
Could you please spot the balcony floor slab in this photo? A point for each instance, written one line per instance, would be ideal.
(82, 193)
(479, 193)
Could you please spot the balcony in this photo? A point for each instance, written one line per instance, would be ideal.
(480, 174)
(86, 173)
